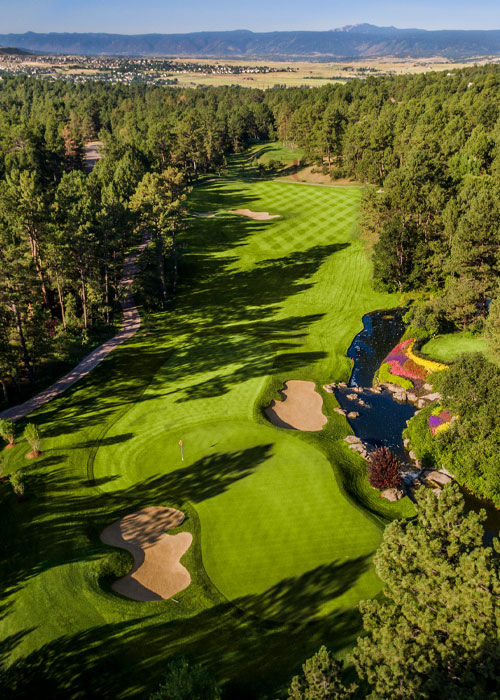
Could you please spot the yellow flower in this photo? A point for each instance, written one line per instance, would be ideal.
(429, 365)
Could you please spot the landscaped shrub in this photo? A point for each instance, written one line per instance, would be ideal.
(384, 469)
(7, 430)
(17, 482)
(32, 436)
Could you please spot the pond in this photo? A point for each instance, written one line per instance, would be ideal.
(381, 420)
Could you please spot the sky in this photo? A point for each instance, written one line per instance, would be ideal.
(171, 16)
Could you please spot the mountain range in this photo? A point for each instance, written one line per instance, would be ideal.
(358, 41)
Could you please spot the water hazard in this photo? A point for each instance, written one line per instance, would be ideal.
(381, 420)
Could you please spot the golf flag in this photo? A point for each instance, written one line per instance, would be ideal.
(182, 450)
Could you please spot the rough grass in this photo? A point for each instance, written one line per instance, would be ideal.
(284, 524)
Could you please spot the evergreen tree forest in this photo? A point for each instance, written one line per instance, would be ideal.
(64, 231)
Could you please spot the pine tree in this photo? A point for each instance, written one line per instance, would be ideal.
(186, 681)
(321, 679)
(437, 632)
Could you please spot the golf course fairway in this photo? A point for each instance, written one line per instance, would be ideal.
(284, 523)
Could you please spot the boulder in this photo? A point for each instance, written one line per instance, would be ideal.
(358, 447)
(353, 414)
(337, 409)
(376, 389)
(412, 398)
(392, 494)
(438, 478)
(427, 387)
(327, 388)
(352, 439)
(342, 385)
(400, 396)
(357, 389)
(436, 396)
(352, 397)
(393, 388)
(421, 403)
(406, 443)
(362, 403)
(413, 456)
(437, 492)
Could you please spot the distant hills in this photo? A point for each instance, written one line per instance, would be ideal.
(11, 51)
(359, 41)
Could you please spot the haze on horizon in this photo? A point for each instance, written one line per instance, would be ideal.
(166, 16)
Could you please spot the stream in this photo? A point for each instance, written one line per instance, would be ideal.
(382, 420)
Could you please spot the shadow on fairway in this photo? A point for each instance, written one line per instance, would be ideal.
(127, 659)
(227, 316)
(60, 521)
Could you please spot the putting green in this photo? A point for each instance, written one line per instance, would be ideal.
(269, 504)
(284, 523)
(447, 348)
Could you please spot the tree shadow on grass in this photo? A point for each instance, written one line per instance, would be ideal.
(60, 521)
(251, 657)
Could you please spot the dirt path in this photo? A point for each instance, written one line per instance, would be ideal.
(300, 408)
(157, 573)
(130, 325)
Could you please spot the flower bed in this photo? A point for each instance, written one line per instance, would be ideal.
(439, 420)
(403, 362)
(385, 374)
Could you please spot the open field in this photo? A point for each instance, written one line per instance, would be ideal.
(284, 524)
(288, 72)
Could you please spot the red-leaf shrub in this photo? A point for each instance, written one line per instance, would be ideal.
(384, 469)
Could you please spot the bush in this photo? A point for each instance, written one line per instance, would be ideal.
(17, 483)
(384, 469)
(32, 436)
(7, 430)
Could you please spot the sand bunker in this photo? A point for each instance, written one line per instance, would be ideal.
(258, 215)
(300, 408)
(157, 573)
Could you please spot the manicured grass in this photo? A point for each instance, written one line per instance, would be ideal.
(284, 523)
(447, 348)
(275, 150)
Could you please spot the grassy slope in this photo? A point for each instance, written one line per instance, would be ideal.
(447, 348)
(277, 531)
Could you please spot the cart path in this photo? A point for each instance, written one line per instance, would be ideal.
(130, 325)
